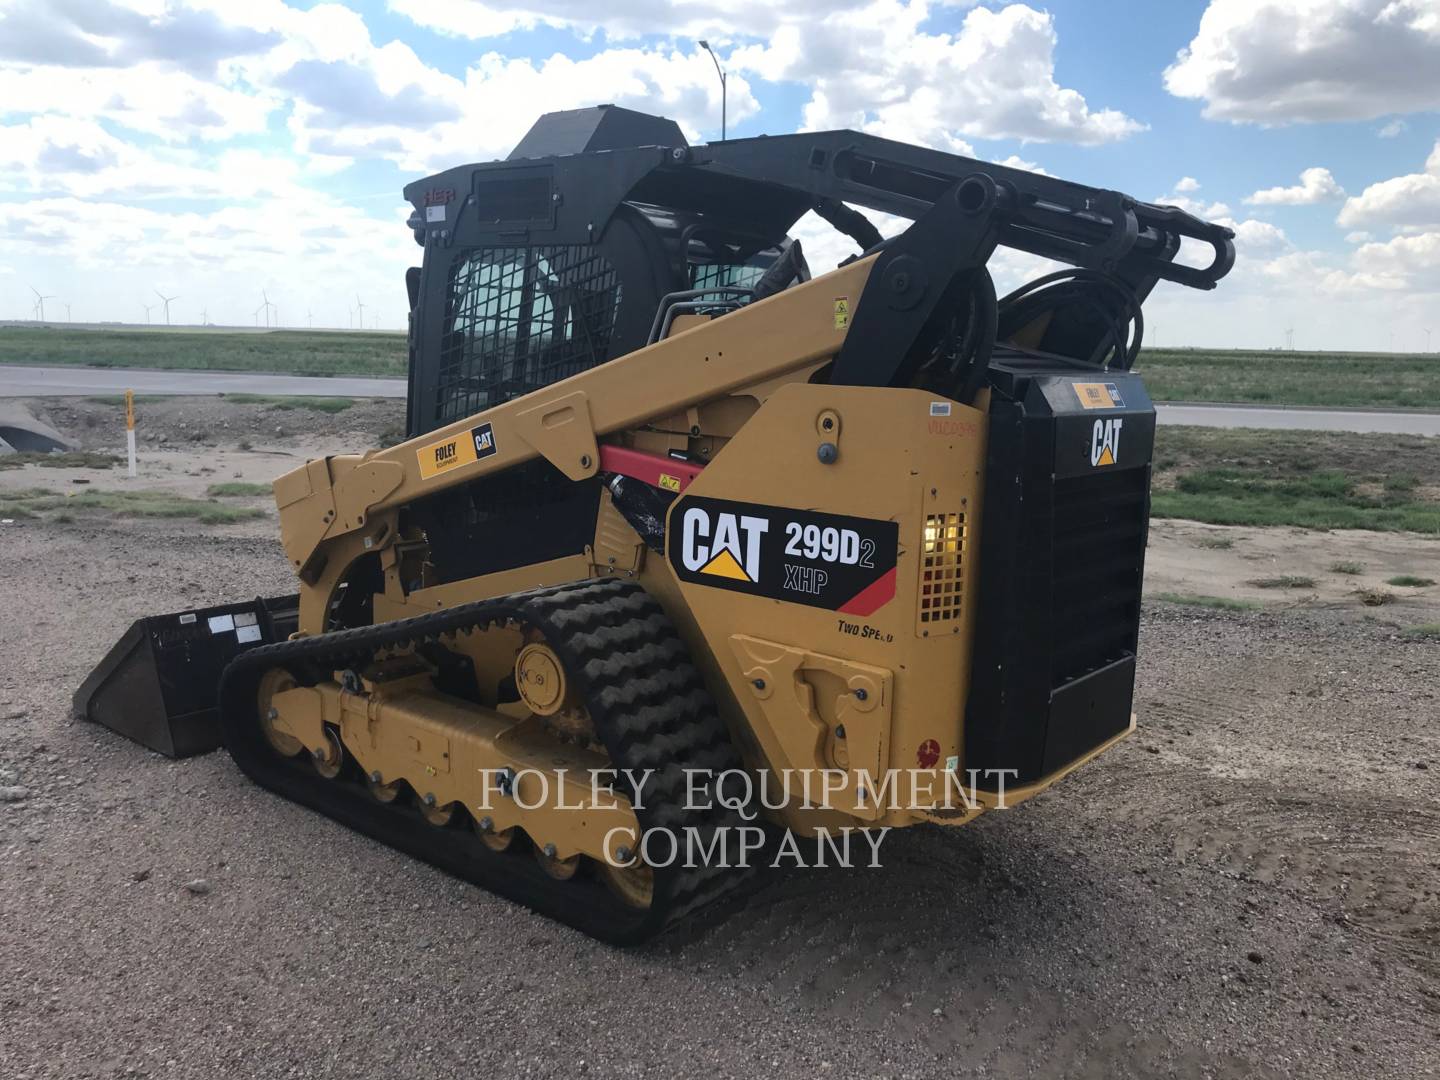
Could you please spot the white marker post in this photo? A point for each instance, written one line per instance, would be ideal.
(130, 427)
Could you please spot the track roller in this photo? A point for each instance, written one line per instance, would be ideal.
(330, 759)
(493, 838)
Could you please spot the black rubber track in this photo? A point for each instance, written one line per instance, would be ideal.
(649, 705)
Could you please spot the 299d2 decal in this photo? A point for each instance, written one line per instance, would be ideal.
(828, 561)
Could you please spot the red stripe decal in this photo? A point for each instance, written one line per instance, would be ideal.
(873, 597)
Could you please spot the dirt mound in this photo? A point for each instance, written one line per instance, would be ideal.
(244, 422)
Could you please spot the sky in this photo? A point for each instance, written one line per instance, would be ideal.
(222, 152)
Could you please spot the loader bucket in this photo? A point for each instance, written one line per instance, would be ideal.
(158, 683)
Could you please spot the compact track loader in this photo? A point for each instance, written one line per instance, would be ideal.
(675, 514)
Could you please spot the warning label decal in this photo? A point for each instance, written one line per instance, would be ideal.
(822, 560)
(842, 312)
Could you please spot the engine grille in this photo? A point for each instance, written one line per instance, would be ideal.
(521, 318)
(1098, 548)
(941, 559)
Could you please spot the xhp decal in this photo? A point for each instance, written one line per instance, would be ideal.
(830, 561)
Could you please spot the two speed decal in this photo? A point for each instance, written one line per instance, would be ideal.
(822, 560)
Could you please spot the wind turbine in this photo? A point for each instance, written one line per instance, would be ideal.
(360, 308)
(40, 302)
(266, 306)
(148, 308)
(1427, 340)
(67, 315)
(166, 301)
(310, 318)
(205, 316)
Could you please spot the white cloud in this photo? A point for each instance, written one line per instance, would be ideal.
(1412, 261)
(64, 155)
(170, 105)
(870, 64)
(1392, 129)
(295, 246)
(1257, 238)
(1406, 202)
(1359, 237)
(1187, 183)
(1316, 186)
(1211, 211)
(1015, 161)
(1284, 61)
(104, 33)
(879, 70)
(477, 19)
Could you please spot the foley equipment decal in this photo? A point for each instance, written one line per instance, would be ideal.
(829, 561)
(1095, 395)
(455, 451)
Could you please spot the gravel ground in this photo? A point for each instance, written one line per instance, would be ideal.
(1250, 887)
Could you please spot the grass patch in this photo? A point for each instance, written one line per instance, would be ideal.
(1318, 480)
(35, 502)
(1284, 581)
(77, 459)
(1351, 568)
(1410, 580)
(238, 489)
(1271, 377)
(1375, 597)
(1218, 603)
(1426, 632)
(1275, 377)
(1216, 543)
(291, 352)
(273, 401)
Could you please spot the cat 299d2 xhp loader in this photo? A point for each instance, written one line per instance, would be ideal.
(674, 510)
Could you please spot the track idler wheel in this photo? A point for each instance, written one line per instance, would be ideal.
(276, 681)
(559, 869)
(329, 760)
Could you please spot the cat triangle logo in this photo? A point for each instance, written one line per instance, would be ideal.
(1105, 441)
(724, 565)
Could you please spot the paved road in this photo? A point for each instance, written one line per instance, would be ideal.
(1301, 418)
(21, 380)
(25, 381)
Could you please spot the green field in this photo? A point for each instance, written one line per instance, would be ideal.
(1274, 377)
(1280, 377)
(288, 352)
(1312, 479)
